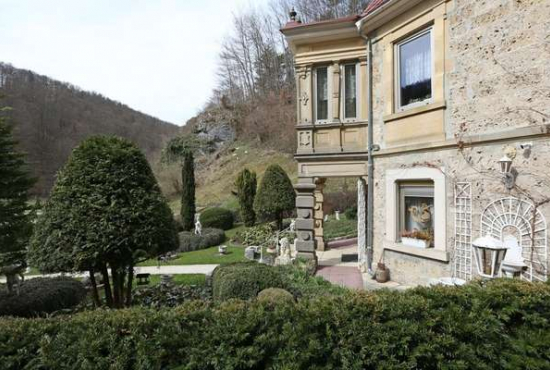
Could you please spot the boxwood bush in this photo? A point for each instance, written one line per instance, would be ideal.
(41, 296)
(503, 324)
(209, 238)
(244, 280)
(219, 218)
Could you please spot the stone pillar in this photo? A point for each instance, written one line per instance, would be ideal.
(305, 227)
(318, 214)
(362, 221)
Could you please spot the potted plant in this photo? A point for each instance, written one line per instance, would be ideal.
(417, 238)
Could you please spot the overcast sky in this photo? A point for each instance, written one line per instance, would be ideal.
(157, 56)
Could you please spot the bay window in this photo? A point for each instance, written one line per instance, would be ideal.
(350, 91)
(321, 94)
(414, 70)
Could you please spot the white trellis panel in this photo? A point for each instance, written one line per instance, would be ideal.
(528, 224)
(463, 231)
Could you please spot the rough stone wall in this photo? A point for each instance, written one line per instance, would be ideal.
(499, 73)
(476, 165)
(497, 79)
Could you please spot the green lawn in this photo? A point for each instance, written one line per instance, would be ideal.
(344, 227)
(208, 256)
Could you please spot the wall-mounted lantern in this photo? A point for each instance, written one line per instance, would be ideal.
(489, 254)
(509, 178)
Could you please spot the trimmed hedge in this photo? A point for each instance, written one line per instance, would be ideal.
(41, 296)
(218, 218)
(502, 325)
(210, 238)
(244, 280)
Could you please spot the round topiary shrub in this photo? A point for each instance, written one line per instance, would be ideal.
(275, 295)
(218, 218)
(209, 238)
(244, 280)
(42, 296)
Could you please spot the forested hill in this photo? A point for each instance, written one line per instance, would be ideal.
(52, 117)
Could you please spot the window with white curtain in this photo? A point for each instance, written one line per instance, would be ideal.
(321, 94)
(350, 91)
(414, 70)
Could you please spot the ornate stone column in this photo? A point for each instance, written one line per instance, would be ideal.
(304, 94)
(362, 221)
(305, 227)
(318, 214)
(336, 92)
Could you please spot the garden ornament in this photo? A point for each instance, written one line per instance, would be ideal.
(198, 228)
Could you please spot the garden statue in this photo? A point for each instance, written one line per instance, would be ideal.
(14, 276)
(337, 214)
(326, 218)
(285, 257)
(198, 227)
(292, 226)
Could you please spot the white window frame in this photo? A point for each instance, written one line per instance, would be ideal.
(397, 70)
(343, 93)
(393, 179)
(329, 89)
(426, 184)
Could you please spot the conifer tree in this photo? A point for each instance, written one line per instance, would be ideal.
(15, 183)
(105, 214)
(246, 184)
(188, 207)
(275, 196)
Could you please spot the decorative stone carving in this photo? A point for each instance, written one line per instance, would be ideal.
(304, 139)
(305, 98)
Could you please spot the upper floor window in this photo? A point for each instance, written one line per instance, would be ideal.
(321, 94)
(414, 70)
(350, 91)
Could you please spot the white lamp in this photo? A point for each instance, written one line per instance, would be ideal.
(489, 254)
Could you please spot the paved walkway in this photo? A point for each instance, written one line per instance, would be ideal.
(337, 272)
(341, 275)
(153, 270)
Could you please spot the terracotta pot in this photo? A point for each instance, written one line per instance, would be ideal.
(382, 276)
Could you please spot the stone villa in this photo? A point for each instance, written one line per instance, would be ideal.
(451, 99)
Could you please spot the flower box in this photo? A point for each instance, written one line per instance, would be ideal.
(417, 243)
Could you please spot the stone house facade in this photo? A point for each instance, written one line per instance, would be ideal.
(456, 86)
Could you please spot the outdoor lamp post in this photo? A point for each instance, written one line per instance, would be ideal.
(489, 254)
(506, 169)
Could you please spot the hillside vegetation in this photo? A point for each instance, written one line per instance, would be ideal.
(53, 117)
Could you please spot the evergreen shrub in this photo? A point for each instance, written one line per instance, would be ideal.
(209, 238)
(219, 218)
(41, 296)
(502, 324)
(276, 195)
